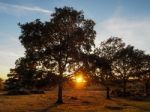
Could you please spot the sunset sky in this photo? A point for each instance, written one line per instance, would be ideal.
(128, 19)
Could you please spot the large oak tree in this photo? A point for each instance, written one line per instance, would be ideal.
(57, 44)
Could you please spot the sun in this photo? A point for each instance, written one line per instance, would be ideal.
(79, 79)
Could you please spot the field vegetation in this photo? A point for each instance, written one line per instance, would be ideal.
(76, 100)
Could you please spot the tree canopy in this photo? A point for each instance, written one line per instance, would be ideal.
(57, 44)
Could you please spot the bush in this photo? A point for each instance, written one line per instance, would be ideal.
(21, 91)
(24, 91)
(119, 93)
(37, 92)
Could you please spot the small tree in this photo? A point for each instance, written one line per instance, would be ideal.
(143, 72)
(21, 76)
(125, 64)
(26, 71)
(99, 70)
(108, 50)
(26, 75)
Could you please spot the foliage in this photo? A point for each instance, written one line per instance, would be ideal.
(107, 51)
(126, 63)
(143, 72)
(57, 44)
(25, 75)
(109, 48)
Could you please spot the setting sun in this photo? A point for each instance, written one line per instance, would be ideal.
(80, 79)
(80, 82)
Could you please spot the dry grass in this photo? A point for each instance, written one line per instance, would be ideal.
(75, 101)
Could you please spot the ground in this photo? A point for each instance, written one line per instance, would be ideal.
(74, 101)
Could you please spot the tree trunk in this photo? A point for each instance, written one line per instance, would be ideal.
(60, 87)
(124, 87)
(107, 92)
(146, 89)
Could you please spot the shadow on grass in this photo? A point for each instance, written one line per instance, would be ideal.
(137, 102)
(48, 109)
(116, 107)
(135, 98)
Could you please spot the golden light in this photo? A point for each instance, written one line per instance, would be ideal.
(79, 79)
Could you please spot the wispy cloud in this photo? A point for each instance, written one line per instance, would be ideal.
(8, 59)
(10, 54)
(134, 31)
(13, 7)
(10, 50)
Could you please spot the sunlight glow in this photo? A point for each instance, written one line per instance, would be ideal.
(80, 79)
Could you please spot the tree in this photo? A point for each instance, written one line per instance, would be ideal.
(57, 44)
(21, 76)
(26, 75)
(26, 71)
(107, 50)
(143, 72)
(13, 82)
(126, 63)
(1, 84)
(99, 69)
(146, 74)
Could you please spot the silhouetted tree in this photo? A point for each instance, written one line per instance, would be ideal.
(26, 75)
(143, 71)
(105, 77)
(57, 44)
(26, 71)
(125, 64)
(107, 50)
(22, 75)
(146, 75)
(99, 69)
(13, 82)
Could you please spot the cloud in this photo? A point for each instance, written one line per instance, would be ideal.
(10, 47)
(20, 8)
(133, 31)
(8, 59)
(9, 54)
(10, 51)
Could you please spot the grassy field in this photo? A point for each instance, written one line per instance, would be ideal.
(75, 101)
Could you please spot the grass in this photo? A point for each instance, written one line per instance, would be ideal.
(75, 101)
